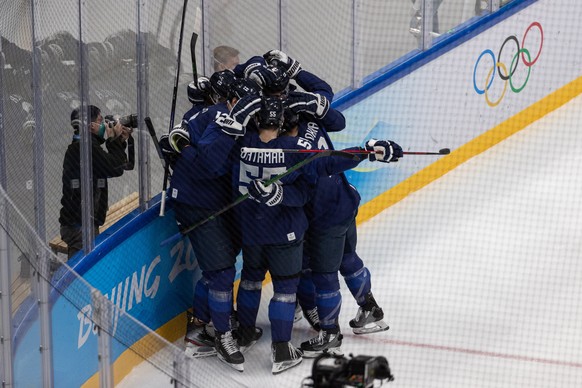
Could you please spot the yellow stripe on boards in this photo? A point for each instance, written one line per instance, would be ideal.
(172, 331)
(474, 147)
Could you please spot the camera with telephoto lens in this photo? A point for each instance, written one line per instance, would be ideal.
(129, 121)
(331, 371)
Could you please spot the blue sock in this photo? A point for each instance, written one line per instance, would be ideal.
(200, 305)
(220, 285)
(356, 276)
(306, 291)
(248, 298)
(282, 308)
(328, 298)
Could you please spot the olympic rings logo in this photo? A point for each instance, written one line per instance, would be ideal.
(521, 55)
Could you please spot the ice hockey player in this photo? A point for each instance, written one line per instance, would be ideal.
(272, 224)
(213, 171)
(331, 238)
(196, 196)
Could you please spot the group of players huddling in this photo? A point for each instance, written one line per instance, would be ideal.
(246, 127)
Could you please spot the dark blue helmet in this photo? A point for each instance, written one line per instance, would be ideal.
(271, 113)
(242, 87)
(290, 120)
(277, 85)
(220, 83)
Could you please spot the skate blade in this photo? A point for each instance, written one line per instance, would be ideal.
(237, 367)
(279, 367)
(199, 342)
(298, 316)
(200, 351)
(315, 353)
(244, 349)
(374, 327)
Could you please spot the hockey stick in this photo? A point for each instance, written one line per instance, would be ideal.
(444, 151)
(183, 232)
(193, 40)
(173, 111)
(152, 132)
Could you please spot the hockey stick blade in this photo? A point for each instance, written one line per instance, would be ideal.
(154, 137)
(443, 151)
(152, 132)
(176, 237)
(193, 40)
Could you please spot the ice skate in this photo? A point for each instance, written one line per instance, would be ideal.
(370, 318)
(312, 318)
(198, 333)
(199, 338)
(233, 321)
(298, 313)
(228, 352)
(247, 337)
(327, 341)
(285, 356)
(310, 315)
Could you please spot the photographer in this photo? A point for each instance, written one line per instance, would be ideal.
(106, 164)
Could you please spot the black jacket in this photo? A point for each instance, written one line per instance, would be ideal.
(106, 164)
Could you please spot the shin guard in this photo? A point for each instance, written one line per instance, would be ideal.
(356, 276)
(220, 285)
(328, 298)
(282, 308)
(306, 291)
(248, 298)
(200, 304)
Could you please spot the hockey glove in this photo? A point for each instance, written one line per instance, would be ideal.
(179, 139)
(262, 75)
(384, 151)
(204, 84)
(170, 156)
(271, 195)
(235, 122)
(312, 103)
(276, 57)
(199, 91)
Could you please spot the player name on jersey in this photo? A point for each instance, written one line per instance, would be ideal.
(263, 157)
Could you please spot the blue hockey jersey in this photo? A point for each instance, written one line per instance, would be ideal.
(194, 182)
(192, 113)
(261, 224)
(287, 221)
(334, 199)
